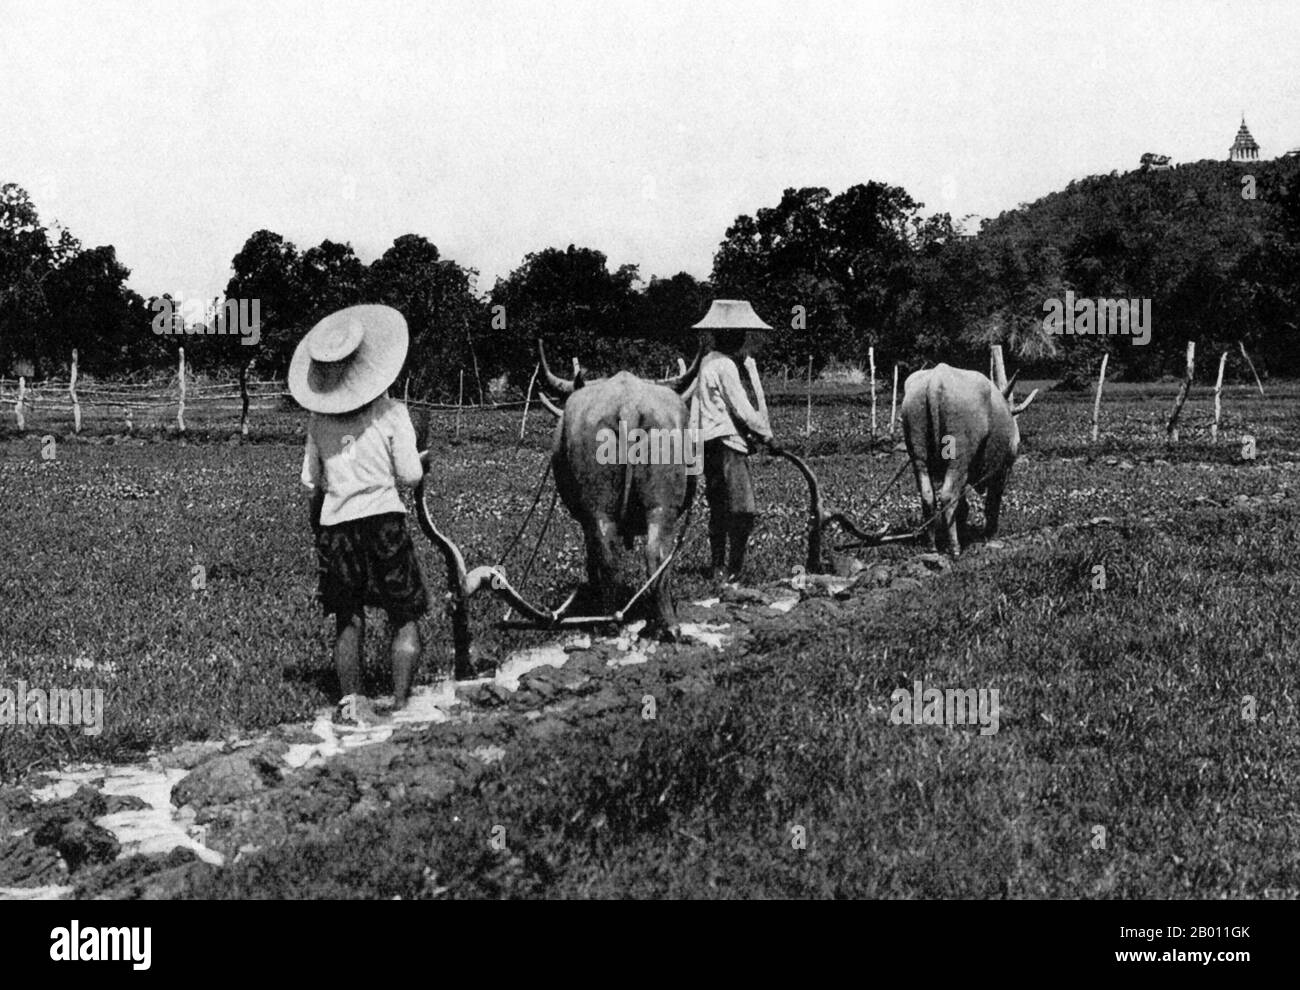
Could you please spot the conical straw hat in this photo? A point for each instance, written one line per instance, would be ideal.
(731, 314)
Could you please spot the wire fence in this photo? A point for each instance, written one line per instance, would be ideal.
(183, 403)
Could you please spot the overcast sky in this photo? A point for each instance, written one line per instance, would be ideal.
(173, 131)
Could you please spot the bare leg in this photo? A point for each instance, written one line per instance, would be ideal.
(717, 549)
(350, 637)
(406, 657)
(719, 503)
(742, 524)
(719, 524)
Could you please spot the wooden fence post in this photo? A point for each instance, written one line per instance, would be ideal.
(1258, 383)
(244, 369)
(180, 372)
(808, 420)
(1096, 402)
(1171, 430)
(460, 401)
(871, 359)
(997, 370)
(523, 423)
(18, 406)
(1218, 390)
(893, 404)
(72, 394)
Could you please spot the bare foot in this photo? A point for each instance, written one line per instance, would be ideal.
(357, 711)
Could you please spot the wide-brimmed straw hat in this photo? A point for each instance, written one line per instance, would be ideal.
(348, 359)
(731, 314)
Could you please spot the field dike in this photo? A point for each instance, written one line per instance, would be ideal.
(152, 829)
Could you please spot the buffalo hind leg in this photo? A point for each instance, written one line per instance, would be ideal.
(993, 507)
(963, 520)
(951, 496)
(602, 543)
(926, 488)
(661, 527)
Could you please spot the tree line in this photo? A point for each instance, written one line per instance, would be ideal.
(1214, 247)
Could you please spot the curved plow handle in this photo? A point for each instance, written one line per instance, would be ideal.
(457, 582)
(816, 515)
(819, 517)
(457, 577)
(464, 584)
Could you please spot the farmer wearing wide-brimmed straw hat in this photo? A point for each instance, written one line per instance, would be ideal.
(728, 422)
(360, 446)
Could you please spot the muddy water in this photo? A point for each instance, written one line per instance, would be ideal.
(53, 893)
(155, 830)
(159, 827)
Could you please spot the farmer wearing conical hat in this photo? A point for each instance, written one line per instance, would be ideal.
(728, 424)
(360, 446)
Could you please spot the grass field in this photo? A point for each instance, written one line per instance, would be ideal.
(1121, 708)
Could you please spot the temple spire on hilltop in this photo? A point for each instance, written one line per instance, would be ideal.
(1244, 148)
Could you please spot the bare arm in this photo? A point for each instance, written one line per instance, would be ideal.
(311, 477)
(408, 463)
(314, 504)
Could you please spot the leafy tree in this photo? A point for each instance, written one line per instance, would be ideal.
(661, 318)
(833, 270)
(573, 302)
(269, 269)
(444, 315)
(56, 295)
(333, 277)
(26, 259)
(92, 310)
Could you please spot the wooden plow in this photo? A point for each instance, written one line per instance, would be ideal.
(820, 517)
(464, 583)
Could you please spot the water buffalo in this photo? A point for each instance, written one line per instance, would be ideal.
(959, 429)
(624, 497)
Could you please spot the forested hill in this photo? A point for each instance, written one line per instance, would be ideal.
(1212, 244)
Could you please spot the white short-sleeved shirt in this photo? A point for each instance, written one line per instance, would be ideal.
(360, 458)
